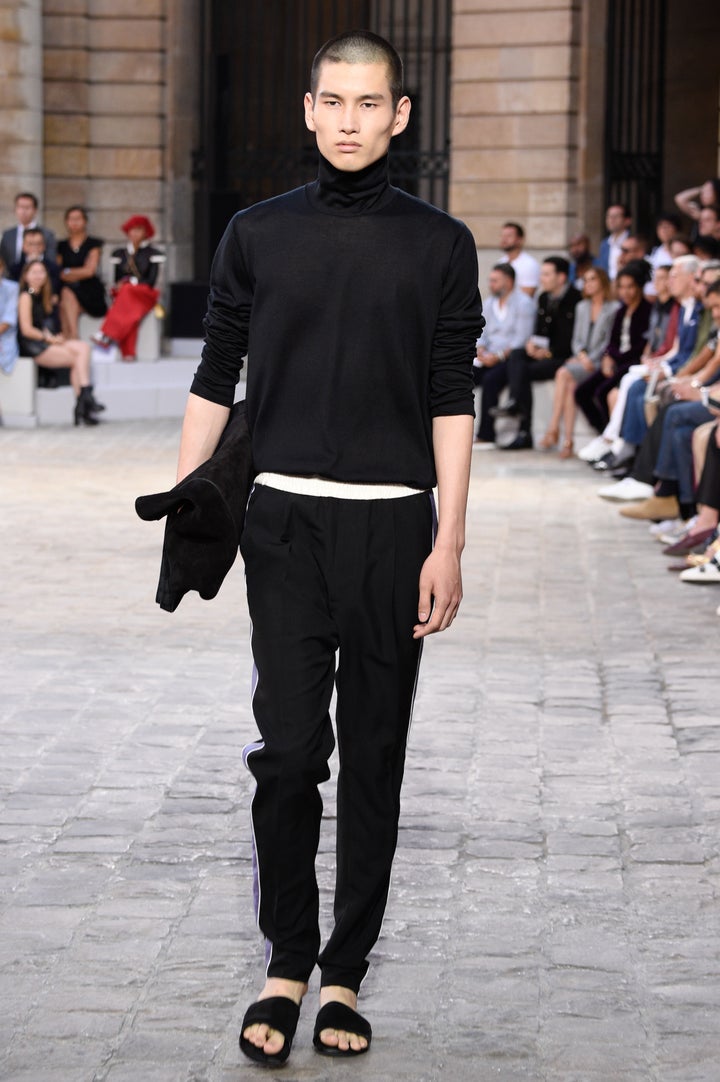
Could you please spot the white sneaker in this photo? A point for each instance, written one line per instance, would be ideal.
(705, 573)
(667, 526)
(594, 450)
(669, 537)
(627, 489)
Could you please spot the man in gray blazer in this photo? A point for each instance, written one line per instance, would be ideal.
(11, 244)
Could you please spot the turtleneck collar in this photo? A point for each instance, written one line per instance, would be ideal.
(337, 191)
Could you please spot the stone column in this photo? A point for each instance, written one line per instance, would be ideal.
(21, 120)
(514, 120)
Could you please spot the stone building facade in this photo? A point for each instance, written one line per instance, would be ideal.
(100, 103)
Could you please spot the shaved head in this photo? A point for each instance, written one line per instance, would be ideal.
(359, 47)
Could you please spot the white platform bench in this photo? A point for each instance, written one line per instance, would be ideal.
(18, 391)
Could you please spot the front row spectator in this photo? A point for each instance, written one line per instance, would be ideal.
(136, 271)
(627, 342)
(37, 339)
(33, 247)
(79, 260)
(8, 321)
(594, 317)
(544, 352)
(509, 319)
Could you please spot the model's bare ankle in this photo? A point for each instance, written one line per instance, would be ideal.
(337, 993)
(279, 986)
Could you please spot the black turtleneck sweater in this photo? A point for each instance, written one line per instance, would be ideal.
(358, 307)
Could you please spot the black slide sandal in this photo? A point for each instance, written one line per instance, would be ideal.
(281, 1014)
(340, 1016)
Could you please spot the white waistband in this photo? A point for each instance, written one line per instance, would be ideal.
(340, 490)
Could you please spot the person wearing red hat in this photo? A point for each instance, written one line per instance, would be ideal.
(137, 266)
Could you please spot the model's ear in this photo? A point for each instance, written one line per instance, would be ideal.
(309, 119)
(402, 115)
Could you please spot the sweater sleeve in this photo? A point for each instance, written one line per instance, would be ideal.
(459, 325)
(226, 322)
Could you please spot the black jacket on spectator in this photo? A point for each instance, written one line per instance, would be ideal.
(555, 319)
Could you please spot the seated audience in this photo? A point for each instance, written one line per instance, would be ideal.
(627, 342)
(37, 339)
(8, 321)
(608, 452)
(685, 291)
(673, 493)
(703, 369)
(581, 258)
(79, 261)
(136, 270)
(509, 318)
(594, 317)
(544, 352)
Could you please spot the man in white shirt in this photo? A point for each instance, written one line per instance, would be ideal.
(510, 318)
(527, 269)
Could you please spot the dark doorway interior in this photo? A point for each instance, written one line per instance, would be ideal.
(256, 59)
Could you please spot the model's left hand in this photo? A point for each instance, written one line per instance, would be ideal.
(440, 592)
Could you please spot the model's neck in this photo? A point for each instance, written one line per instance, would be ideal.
(345, 192)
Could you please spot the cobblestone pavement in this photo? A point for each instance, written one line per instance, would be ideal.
(554, 914)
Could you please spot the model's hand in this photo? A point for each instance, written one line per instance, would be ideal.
(607, 367)
(440, 592)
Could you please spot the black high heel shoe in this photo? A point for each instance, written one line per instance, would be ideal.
(83, 408)
(95, 406)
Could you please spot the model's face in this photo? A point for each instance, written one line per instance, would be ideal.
(715, 309)
(628, 291)
(36, 276)
(25, 211)
(75, 221)
(352, 114)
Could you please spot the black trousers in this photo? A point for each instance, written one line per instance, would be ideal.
(708, 492)
(522, 372)
(327, 574)
(591, 396)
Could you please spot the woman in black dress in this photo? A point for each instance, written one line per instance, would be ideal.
(37, 339)
(79, 259)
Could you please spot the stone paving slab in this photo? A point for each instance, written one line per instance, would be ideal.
(554, 913)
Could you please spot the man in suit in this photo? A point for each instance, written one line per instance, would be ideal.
(11, 244)
(617, 223)
(545, 351)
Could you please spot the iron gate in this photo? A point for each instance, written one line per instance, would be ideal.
(256, 59)
(635, 108)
